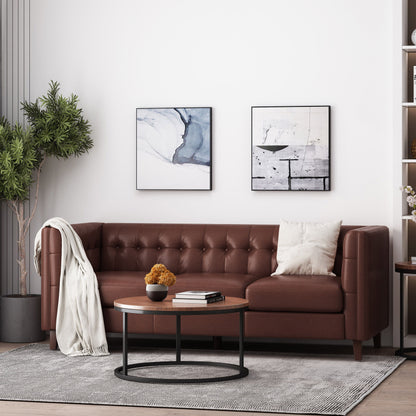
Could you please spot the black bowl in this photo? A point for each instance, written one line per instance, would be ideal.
(156, 295)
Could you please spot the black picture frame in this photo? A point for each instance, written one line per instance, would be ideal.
(291, 148)
(174, 148)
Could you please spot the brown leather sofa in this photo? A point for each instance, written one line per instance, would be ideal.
(238, 261)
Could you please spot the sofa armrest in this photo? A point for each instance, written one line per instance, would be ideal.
(365, 281)
(51, 253)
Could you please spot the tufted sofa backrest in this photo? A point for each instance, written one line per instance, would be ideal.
(190, 248)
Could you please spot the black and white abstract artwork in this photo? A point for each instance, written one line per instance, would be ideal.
(174, 148)
(290, 148)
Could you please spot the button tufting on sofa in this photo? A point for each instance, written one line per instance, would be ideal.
(352, 305)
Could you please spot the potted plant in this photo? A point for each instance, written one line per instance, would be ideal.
(157, 282)
(411, 200)
(56, 128)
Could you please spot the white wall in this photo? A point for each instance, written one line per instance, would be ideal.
(228, 54)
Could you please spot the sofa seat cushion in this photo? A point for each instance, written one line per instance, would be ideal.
(296, 293)
(229, 284)
(115, 285)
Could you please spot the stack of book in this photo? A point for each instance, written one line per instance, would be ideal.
(200, 297)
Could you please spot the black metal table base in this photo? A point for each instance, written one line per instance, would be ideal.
(404, 353)
(122, 371)
(242, 372)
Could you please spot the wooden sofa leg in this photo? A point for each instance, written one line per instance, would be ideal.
(52, 340)
(377, 340)
(358, 350)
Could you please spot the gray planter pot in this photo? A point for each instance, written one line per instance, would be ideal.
(20, 319)
(156, 292)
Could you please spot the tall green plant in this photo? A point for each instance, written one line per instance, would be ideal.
(57, 128)
(19, 158)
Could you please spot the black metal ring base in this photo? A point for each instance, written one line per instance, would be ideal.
(242, 372)
(402, 353)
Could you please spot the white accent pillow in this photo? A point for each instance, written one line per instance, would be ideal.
(307, 248)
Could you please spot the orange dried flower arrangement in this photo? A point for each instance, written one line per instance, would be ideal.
(159, 274)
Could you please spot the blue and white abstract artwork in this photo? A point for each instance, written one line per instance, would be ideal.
(174, 148)
(290, 148)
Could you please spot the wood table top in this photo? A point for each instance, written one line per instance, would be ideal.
(405, 266)
(143, 303)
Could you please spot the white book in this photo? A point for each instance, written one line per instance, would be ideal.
(197, 294)
(197, 301)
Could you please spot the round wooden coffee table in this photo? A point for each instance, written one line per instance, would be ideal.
(143, 305)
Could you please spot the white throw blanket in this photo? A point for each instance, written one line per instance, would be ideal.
(79, 321)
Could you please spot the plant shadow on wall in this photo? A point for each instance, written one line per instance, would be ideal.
(56, 128)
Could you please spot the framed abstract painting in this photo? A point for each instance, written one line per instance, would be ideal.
(173, 146)
(290, 148)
